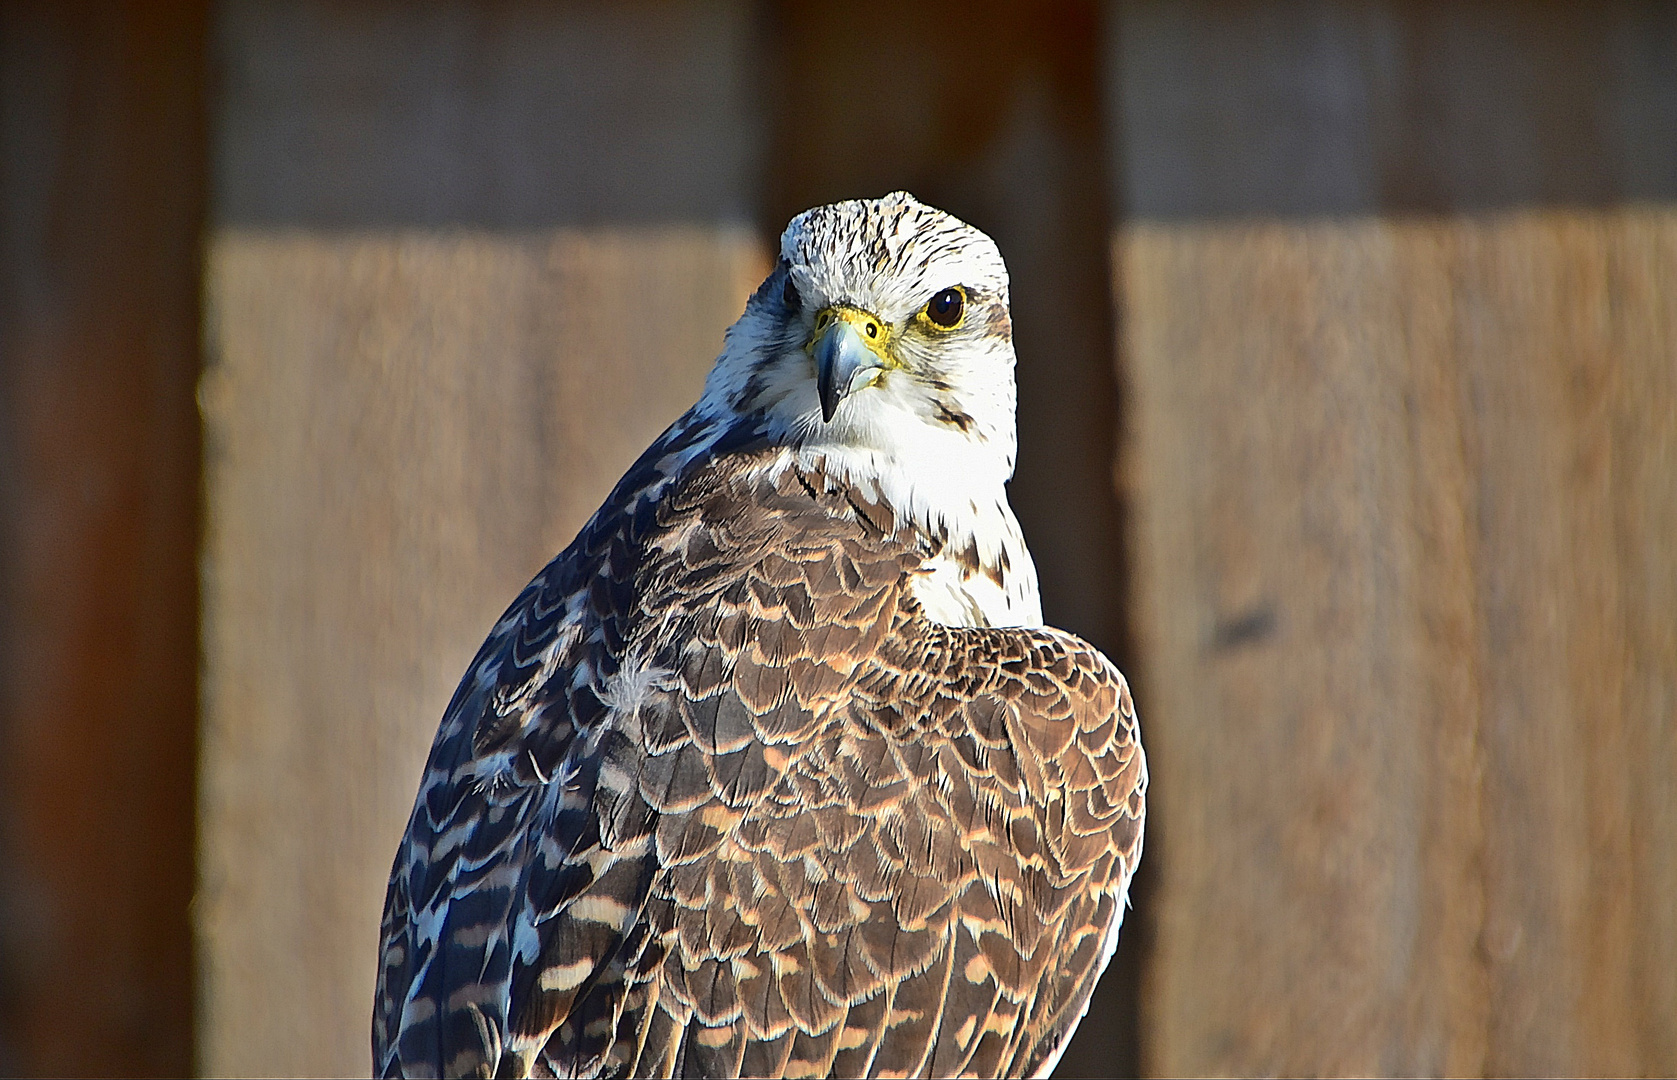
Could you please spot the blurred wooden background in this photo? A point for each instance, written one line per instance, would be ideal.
(102, 166)
(1348, 410)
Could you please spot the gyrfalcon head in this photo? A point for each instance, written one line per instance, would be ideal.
(882, 333)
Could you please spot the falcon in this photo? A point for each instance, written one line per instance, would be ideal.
(775, 770)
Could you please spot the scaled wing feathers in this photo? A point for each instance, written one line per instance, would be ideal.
(717, 799)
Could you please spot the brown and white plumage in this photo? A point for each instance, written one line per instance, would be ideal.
(774, 771)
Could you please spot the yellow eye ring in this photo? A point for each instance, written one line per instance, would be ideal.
(946, 310)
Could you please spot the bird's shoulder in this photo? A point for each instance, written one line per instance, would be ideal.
(726, 681)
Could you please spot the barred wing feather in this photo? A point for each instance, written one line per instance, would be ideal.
(718, 799)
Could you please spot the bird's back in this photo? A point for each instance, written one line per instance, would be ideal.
(717, 799)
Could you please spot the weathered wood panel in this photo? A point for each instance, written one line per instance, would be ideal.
(466, 262)
(1317, 107)
(401, 431)
(1282, 590)
(1403, 549)
(512, 114)
(1407, 562)
(1566, 331)
(102, 185)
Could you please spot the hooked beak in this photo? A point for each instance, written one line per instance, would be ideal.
(845, 358)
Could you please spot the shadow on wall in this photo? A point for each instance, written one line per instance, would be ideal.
(101, 204)
(1397, 286)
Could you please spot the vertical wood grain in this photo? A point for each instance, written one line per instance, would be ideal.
(1576, 455)
(1406, 570)
(1395, 285)
(1262, 108)
(1312, 707)
(102, 185)
(401, 431)
(466, 261)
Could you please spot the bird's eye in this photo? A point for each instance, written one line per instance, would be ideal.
(789, 293)
(946, 309)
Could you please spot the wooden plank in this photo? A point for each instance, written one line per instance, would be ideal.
(1327, 107)
(1396, 528)
(1567, 332)
(466, 261)
(1291, 651)
(1406, 568)
(401, 431)
(102, 191)
(509, 115)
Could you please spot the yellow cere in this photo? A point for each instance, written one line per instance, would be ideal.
(874, 331)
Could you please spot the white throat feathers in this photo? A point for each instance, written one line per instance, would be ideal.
(881, 351)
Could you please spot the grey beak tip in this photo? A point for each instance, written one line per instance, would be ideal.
(839, 356)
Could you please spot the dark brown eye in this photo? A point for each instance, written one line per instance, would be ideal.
(946, 308)
(789, 294)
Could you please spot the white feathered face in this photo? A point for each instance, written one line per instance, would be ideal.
(884, 328)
